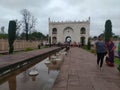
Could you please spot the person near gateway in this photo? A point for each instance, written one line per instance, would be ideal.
(100, 51)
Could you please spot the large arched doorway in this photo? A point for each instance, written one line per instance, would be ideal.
(68, 39)
(68, 34)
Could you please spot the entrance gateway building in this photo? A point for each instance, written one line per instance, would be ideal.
(69, 31)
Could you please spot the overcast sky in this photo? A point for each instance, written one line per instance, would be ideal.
(62, 10)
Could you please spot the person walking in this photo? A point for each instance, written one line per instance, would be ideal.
(110, 50)
(100, 51)
(67, 47)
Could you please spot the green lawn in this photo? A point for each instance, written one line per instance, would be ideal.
(117, 61)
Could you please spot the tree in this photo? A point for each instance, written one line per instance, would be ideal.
(95, 38)
(108, 30)
(2, 29)
(4, 36)
(11, 35)
(115, 37)
(28, 21)
(2, 33)
(49, 39)
(22, 36)
(83, 41)
(18, 28)
(37, 36)
(118, 67)
(89, 44)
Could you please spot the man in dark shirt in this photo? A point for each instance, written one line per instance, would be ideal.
(100, 50)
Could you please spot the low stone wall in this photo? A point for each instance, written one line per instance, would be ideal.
(18, 44)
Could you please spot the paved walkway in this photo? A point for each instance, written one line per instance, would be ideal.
(7, 60)
(80, 72)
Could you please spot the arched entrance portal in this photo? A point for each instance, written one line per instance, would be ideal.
(68, 39)
(68, 34)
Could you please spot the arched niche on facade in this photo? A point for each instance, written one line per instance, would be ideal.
(68, 29)
(83, 30)
(54, 31)
(68, 39)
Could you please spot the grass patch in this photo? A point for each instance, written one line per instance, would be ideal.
(28, 49)
(41, 47)
(117, 61)
(90, 50)
(84, 47)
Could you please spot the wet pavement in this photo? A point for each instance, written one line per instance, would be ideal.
(80, 72)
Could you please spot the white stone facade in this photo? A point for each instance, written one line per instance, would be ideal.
(69, 30)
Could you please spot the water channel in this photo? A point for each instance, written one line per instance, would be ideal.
(21, 80)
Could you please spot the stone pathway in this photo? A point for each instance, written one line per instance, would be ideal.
(80, 72)
(12, 61)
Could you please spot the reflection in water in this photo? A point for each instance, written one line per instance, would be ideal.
(53, 66)
(25, 77)
(12, 83)
(48, 85)
(20, 79)
(55, 63)
(33, 78)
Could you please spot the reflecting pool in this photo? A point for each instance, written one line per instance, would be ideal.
(21, 80)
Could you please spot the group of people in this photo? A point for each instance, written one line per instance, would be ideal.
(105, 50)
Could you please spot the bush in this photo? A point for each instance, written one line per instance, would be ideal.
(45, 46)
(93, 51)
(39, 46)
(28, 49)
(119, 67)
(89, 44)
(84, 47)
(117, 61)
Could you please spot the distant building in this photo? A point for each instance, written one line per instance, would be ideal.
(69, 31)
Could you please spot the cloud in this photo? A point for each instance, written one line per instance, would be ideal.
(62, 10)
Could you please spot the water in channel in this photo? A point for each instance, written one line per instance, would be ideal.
(21, 80)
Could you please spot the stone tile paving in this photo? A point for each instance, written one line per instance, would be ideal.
(6, 60)
(80, 72)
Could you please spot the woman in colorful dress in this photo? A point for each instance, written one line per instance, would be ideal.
(110, 50)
